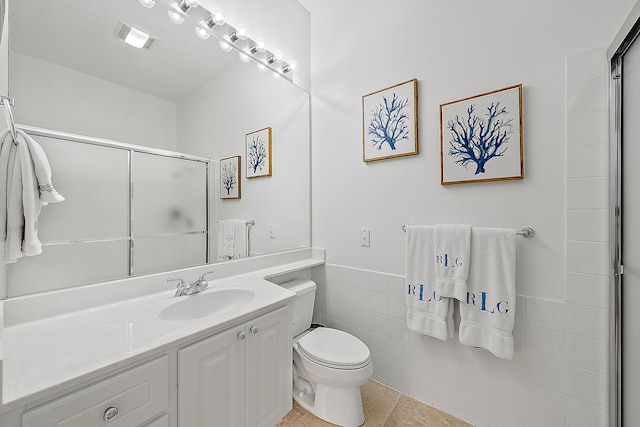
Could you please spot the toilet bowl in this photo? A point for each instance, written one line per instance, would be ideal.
(329, 365)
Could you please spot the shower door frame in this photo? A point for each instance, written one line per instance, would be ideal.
(626, 36)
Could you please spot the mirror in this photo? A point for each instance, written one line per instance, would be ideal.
(70, 73)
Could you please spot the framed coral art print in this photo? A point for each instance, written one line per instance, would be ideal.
(258, 153)
(230, 178)
(481, 138)
(390, 122)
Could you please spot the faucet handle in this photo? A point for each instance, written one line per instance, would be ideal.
(181, 283)
(202, 279)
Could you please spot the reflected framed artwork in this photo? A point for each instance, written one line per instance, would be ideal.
(258, 153)
(230, 177)
(390, 122)
(481, 138)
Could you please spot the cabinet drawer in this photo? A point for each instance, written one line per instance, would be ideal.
(137, 395)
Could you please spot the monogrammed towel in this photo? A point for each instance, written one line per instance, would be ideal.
(487, 315)
(427, 312)
(452, 246)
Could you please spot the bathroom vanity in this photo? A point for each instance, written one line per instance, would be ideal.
(130, 353)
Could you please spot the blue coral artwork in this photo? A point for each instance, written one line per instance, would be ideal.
(258, 153)
(390, 122)
(481, 138)
(230, 184)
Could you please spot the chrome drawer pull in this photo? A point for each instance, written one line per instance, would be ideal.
(254, 329)
(241, 335)
(110, 413)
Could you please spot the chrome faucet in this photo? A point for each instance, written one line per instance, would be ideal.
(193, 288)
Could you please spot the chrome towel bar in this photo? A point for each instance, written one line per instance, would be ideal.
(525, 232)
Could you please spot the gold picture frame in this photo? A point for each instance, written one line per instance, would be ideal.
(390, 122)
(258, 153)
(481, 138)
(230, 178)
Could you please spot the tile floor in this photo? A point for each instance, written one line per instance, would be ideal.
(383, 407)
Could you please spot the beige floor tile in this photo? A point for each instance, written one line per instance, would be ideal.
(410, 412)
(383, 407)
(378, 402)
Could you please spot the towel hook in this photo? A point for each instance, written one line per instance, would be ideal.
(8, 103)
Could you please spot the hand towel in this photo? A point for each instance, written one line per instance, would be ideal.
(427, 312)
(452, 247)
(241, 234)
(487, 314)
(41, 170)
(232, 239)
(226, 239)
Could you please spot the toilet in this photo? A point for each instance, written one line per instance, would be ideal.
(329, 365)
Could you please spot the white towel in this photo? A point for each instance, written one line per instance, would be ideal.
(41, 170)
(487, 315)
(25, 186)
(452, 247)
(427, 312)
(232, 239)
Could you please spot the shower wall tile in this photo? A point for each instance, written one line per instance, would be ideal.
(588, 193)
(584, 414)
(588, 96)
(588, 225)
(588, 289)
(587, 353)
(588, 129)
(589, 322)
(586, 161)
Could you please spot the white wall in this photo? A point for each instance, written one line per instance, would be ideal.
(54, 97)
(455, 50)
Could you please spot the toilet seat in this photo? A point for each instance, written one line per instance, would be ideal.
(334, 349)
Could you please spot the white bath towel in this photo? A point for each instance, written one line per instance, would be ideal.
(25, 171)
(41, 170)
(232, 239)
(487, 315)
(452, 247)
(427, 312)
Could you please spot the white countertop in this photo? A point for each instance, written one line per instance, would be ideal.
(50, 354)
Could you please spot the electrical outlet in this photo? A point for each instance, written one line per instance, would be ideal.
(272, 231)
(365, 238)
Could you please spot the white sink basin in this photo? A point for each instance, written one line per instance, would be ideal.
(206, 303)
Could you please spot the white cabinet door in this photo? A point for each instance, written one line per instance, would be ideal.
(269, 362)
(211, 379)
(240, 377)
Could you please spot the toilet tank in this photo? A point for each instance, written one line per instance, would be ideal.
(305, 291)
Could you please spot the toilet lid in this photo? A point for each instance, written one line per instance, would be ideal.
(334, 348)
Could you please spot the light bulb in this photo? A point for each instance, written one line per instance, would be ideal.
(226, 47)
(293, 65)
(202, 33)
(241, 32)
(277, 56)
(175, 17)
(261, 67)
(244, 57)
(147, 3)
(276, 75)
(218, 16)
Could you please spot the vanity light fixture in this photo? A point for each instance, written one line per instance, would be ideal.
(212, 22)
(133, 36)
